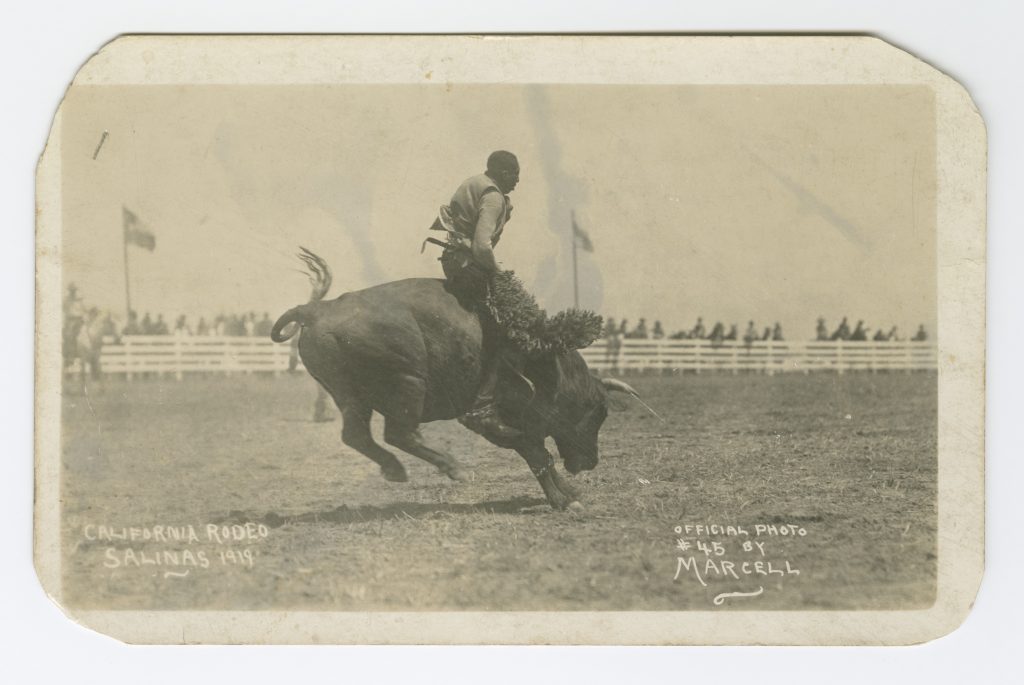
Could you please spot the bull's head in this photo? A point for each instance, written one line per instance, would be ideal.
(577, 441)
(576, 435)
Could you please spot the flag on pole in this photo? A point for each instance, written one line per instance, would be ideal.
(581, 237)
(136, 232)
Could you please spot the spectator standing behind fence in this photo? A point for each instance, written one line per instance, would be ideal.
(777, 332)
(109, 328)
(860, 334)
(293, 354)
(160, 327)
(264, 326)
(717, 334)
(181, 328)
(822, 331)
(640, 332)
(751, 335)
(767, 333)
(132, 327)
(658, 333)
(613, 343)
(843, 332)
(698, 331)
(921, 335)
(733, 334)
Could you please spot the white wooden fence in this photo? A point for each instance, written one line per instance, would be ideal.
(180, 355)
(762, 356)
(165, 354)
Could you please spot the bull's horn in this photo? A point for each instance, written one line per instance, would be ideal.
(615, 384)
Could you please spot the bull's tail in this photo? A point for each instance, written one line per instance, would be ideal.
(299, 315)
(320, 278)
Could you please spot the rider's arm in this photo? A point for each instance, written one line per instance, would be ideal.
(491, 207)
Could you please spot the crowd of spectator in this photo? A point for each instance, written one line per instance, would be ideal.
(863, 333)
(247, 324)
(719, 333)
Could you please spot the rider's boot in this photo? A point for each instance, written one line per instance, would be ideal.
(483, 418)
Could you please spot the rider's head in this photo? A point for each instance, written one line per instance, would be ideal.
(503, 168)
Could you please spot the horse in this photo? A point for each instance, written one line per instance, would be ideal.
(83, 345)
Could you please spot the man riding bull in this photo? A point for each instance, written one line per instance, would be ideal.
(474, 221)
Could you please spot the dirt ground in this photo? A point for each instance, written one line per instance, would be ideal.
(849, 461)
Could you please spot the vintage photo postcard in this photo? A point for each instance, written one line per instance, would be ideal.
(511, 339)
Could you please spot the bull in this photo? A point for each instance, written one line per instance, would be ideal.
(410, 351)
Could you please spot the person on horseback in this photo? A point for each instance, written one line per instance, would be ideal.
(74, 319)
(474, 220)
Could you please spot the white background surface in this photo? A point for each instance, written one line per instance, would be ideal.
(976, 44)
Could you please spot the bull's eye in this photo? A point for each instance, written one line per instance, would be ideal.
(592, 420)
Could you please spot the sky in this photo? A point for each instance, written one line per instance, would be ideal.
(734, 203)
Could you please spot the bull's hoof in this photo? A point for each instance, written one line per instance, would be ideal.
(395, 475)
(559, 502)
(456, 474)
(568, 489)
(573, 507)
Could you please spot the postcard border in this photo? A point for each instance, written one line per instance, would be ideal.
(776, 60)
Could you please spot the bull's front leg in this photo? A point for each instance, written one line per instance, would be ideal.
(559, 493)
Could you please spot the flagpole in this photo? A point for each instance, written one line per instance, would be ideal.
(127, 288)
(575, 274)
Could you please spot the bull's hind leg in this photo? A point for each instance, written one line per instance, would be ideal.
(402, 414)
(407, 437)
(355, 433)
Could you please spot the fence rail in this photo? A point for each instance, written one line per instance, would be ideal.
(180, 355)
(162, 354)
(762, 356)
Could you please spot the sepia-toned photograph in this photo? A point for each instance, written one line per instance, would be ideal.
(476, 347)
